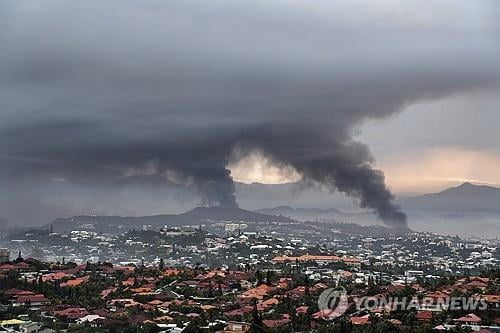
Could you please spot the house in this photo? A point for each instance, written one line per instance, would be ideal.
(493, 301)
(239, 312)
(22, 266)
(320, 259)
(319, 286)
(212, 285)
(7, 267)
(76, 282)
(34, 300)
(297, 292)
(284, 283)
(125, 302)
(269, 303)
(171, 272)
(257, 293)
(55, 276)
(437, 296)
(91, 318)
(142, 290)
(345, 275)
(237, 327)
(272, 323)
(470, 319)
(163, 319)
(362, 320)
(351, 261)
(14, 293)
(476, 285)
(472, 283)
(72, 313)
(440, 328)
(424, 316)
(16, 325)
(324, 315)
(208, 307)
(106, 292)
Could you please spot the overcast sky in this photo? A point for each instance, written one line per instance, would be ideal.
(439, 144)
(335, 92)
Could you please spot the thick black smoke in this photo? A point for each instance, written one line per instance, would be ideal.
(92, 90)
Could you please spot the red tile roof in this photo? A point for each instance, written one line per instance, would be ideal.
(16, 292)
(239, 312)
(363, 320)
(276, 322)
(76, 282)
(424, 315)
(73, 313)
(470, 318)
(38, 298)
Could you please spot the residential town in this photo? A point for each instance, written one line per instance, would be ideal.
(231, 279)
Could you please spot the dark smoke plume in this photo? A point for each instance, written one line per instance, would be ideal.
(93, 90)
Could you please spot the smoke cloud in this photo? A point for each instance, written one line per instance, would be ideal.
(91, 90)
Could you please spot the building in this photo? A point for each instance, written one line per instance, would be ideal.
(414, 274)
(16, 325)
(306, 258)
(233, 227)
(4, 255)
(351, 261)
(237, 327)
(31, 301)
(320, 259)
(172, 231)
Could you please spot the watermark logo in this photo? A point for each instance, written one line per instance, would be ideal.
(389, 304)
(333, 303)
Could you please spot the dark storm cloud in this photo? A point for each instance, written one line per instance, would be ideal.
(92, 89)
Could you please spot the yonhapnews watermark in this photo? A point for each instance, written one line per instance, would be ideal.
(334, 302)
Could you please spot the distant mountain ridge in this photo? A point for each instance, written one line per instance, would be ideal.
(196, 216)
(256, 196)
(318, 214)
(465, 198)
(231, 214)
(304, 214)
